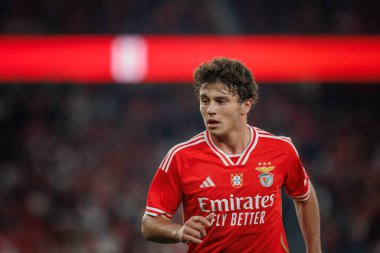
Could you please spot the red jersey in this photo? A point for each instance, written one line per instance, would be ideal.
(244, 191)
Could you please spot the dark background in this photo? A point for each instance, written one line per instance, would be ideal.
(76, 161)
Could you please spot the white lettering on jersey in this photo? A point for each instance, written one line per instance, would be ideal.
(246, 205)
(235, 203)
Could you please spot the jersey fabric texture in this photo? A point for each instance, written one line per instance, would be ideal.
(244, 191)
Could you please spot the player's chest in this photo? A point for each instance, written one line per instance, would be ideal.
(210, 178)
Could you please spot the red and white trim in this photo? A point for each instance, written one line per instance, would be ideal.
(196, 136)
(152, 211)
(226, 159)
(243, 159)
(165, 164)
(223, 157)
(282, 138)
(303, 197)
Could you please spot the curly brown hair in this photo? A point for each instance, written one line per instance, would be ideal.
(232, 73)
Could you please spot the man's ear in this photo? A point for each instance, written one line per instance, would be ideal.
(246, 106)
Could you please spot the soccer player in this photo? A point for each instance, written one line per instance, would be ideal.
(229, 177)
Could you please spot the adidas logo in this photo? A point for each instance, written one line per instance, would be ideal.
(207, 183)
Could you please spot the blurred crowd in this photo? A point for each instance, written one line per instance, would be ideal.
(76, 161)
(183, 16)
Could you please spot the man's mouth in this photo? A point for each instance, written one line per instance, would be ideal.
(212, 122)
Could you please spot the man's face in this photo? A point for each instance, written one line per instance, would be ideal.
(221, 111)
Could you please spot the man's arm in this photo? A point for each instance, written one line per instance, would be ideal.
(309, 220)
(160, 229)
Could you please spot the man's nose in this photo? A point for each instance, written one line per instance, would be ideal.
(211, 108)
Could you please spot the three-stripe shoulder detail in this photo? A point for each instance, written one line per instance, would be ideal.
(165, 164)
(288, 140)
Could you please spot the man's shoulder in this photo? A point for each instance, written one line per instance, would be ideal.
(275, 141)
(182, 151)
(189, 145)
(265, 134)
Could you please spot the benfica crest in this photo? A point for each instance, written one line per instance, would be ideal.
(237, 180)
(266, 178)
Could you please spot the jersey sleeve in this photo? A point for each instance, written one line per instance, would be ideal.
(165, 192)
(296, 183)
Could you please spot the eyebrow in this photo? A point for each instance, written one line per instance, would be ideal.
(218, 97)
(222, 97)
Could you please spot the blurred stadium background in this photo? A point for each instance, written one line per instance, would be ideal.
(76, 159)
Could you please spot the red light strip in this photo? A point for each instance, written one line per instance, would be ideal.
(172, 59)
(55, 59)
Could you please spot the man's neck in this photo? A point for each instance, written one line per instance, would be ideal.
(233, 143)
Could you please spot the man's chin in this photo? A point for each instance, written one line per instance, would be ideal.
(215, 131)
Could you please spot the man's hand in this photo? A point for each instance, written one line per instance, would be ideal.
(194, 229)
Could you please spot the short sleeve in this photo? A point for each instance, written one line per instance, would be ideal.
(296, 183)
(165, 192)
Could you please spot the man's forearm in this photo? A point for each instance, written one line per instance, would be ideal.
(159, 229)
(309, 220)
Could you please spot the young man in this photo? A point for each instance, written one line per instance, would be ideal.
(229, 177)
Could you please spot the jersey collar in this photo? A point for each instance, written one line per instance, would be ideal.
(226, 160)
